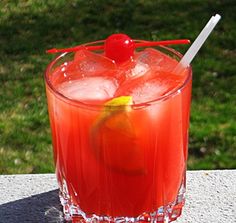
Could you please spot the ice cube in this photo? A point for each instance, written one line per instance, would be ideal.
(148, 91)
(156, 60)
(131, 71)
(149, 56)
(152, 89)
(139, 70)
(88, 64)
(89, 88)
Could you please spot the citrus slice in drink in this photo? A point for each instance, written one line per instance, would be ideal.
(114, 139)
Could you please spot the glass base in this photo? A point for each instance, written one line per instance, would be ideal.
(163, 214)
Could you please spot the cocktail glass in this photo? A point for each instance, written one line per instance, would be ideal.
(118, 162)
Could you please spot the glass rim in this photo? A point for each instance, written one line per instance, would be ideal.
(138, 105)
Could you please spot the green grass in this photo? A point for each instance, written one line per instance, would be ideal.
(28, 28)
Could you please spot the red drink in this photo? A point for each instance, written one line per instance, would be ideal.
(120, 134)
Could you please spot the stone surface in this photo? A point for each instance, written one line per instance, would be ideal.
(211, 197)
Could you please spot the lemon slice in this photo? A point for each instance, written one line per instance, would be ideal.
(114, 140)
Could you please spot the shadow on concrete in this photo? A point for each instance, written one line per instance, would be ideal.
(40, 208)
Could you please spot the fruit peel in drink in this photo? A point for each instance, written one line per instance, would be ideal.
(114, 139)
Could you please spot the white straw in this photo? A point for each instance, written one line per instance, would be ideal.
(197, 44)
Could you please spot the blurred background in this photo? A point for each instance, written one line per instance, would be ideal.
(29, 27)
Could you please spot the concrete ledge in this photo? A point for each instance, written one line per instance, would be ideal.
(211, 197)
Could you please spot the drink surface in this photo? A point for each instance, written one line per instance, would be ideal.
(128, 155)
(94, 78)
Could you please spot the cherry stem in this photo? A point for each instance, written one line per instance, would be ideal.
(163, 43)
(77, 48)
(100, 47)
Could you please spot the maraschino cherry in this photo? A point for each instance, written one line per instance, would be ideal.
(119, 47)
